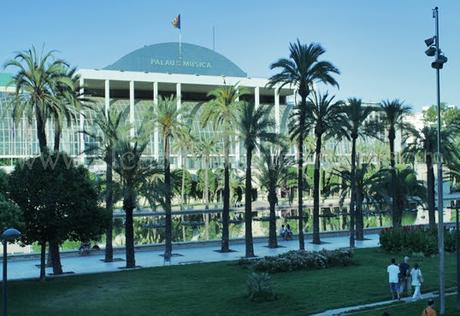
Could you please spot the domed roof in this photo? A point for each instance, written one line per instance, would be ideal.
(164, 58)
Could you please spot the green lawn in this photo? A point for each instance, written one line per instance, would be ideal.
(213, 289)
(412, 309)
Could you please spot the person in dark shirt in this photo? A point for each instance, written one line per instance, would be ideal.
(404, 277)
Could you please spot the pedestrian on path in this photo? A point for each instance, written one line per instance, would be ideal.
(393, 279)
(429, 311)
(404, 277)
(417, 280)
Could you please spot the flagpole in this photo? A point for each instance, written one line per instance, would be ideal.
(180, 43)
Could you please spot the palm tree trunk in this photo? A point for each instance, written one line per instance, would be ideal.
(430, 189)
(56, 258)
(183, 181)
(129, 235)
(41, 131)
(272, 238)
(226, 210)
(359, 217)
(248, 206)
(42, 261)
(168, 217)
(394, 211)
(300, 184)
(57, 137)
(353, 193)
(316, 178)
(109, 207)
(206, 183)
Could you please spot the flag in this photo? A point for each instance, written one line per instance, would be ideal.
(176, 22)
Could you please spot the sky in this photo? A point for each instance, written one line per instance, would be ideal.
(378, 46)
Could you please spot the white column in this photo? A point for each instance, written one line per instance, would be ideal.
(82, 126)
(179, 104)
(107, 97)
(131, 107)
(277, 110)
(156, 138)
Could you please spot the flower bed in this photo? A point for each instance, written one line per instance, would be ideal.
(415, 239)
(300, 260)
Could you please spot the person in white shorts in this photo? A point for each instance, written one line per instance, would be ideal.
(417, 279)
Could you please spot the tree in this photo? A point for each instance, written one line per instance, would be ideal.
(302, 70)
(59, 202)
(273, 173)
(255, 126)
(168, 118)
(184, 144)
(327, 120)
(357, 115)
(109, 128)
(204, 149)
(393, 114)
(363, 183)
(134, 173)
(399, 188)
(69, 105)
(222, 113)
(424, 143)
(36, 82)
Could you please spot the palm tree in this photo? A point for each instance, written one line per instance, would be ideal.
(70, 104)
(168, 118)
(327, 121)
(302, 70)
(363, 182)
(423, 143)
(134, 173)
(393, 114)
(222, 113)
(399, 188)
(273, 173)
(357, 115)
(36, 81)
(255, 126)
(184, 144)
(205, 148)
(110, 128)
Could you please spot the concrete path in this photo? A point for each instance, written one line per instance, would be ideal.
(26, 268)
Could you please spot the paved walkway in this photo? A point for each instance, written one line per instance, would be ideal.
(351, 309)
(28, 268)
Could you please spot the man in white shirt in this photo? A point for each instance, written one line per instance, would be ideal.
(393, 278)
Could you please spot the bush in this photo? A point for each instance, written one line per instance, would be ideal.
(260, 287)
(415, 239)
(300, 260)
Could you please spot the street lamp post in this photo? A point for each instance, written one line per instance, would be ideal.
(440, 60)
(8, 235)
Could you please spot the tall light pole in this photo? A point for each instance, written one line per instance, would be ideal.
(440, 60)
(8, 235)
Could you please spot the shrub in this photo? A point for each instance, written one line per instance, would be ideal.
(260, 287)
(415, 239)
(300, 260)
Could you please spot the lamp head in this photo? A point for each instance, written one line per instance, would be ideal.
(11, 234)
(430, 41)
(431, 51)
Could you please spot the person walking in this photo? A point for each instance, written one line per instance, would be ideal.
(404, 277)
(393, 279)
(417, 280)
(429, 310)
